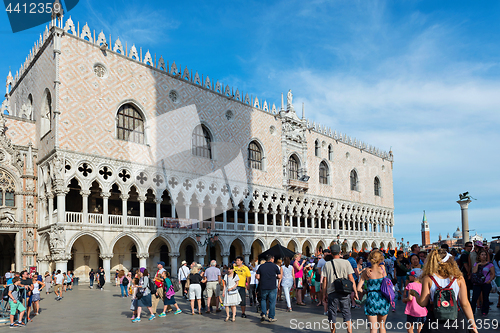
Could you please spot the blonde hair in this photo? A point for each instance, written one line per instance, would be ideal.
(279, 262)
(376, 257)
(434, 265)
(195, 270)
(296, 255)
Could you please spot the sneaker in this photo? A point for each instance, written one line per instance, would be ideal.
(178, 311)
(243, 315)
(14, 325)
(20, 323)
(132, 318)
(325, 313)
(161, 315)
(262, 317)
(272, 320)
(136, 320)
(152, 317)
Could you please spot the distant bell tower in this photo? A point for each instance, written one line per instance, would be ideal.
(426, 237)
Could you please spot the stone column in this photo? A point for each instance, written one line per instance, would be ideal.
(50, 198)
(141, 199)
(187, 205)
(225, 259)
(201, 257)
(143, 259)
(61, 205)
(158, 211)
(173, 263)
(19, 250)
(124, 198)
(246, 218)
(212, 214)
(42, 265)
(224, 218)
(85, 205)
(464, 205)
(106, 265)
(247, 258)
(235, 214)
(256, 217)
(62, 265)
(172, 205)
(265, 219)
(105, 196)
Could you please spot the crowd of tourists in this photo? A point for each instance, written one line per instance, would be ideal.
(436, 287)
(21, 292)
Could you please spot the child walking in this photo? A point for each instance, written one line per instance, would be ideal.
(169, 295)
(133, 306)
(415, 314)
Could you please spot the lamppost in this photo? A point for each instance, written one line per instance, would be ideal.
(210, 240)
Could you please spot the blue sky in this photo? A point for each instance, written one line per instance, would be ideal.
(422, 77)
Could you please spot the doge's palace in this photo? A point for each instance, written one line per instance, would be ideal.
(111, 156)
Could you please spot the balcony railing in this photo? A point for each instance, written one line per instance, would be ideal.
(174, 223)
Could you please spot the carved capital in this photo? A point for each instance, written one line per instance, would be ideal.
(141, 198)
(85, 193)
(143, 255)
(158, 200)
(124, 197)
(174, 255)
(106, 256)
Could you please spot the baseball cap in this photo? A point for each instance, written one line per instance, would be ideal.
(161, 263)
(335, 249)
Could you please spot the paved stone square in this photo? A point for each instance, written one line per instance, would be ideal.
(91, 310)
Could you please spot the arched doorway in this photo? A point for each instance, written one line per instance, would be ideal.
(320, 246)
(275, 242)
(256, 249)
(292, 246)
(306, 249)
(85, 255)
(188, 250)
(235, 250)
(8, 252)
(214, 253)
(159, 251)
(125, 255)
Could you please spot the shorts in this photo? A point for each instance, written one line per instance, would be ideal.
(339, 301)
(317, 286)
(58, 287)
(243, 295)
(213, 289)
(14, 307)
(35, 297)
(194, 291)
(170, 301)
(413, 320)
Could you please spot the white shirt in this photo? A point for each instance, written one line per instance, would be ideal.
(183, 273)
(36, 288)
(59, 278)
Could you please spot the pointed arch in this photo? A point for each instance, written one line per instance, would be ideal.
(100, 241)
(137, 241)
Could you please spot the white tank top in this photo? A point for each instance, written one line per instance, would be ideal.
(443, 283)
(36, 288)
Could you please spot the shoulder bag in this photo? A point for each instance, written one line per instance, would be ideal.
(341, 286)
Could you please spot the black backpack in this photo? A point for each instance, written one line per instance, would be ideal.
(152, 286)
(340, 285)
(125, 281)
(445, 302)
(5, 293)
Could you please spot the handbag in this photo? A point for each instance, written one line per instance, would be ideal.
(188, 282)
(300, 284)
(234, 291)
(478, 277)
(341, 286)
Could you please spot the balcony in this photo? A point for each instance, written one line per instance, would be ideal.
(155, 224)
(298, 185)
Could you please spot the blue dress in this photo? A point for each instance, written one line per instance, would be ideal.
(376, 304)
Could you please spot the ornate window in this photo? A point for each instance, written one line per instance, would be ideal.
(130, 124)
(376, 186)
(330, 153)
(202, 142)
(317, 148)
(293, 167)
(7, 187)
(323, 173)
(354, 180)
(254, 156)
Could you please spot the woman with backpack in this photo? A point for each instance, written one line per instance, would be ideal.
(169, 293)
(443, 286)
(144, 296)
(377, 305)
(483, 273)
(124, 283)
